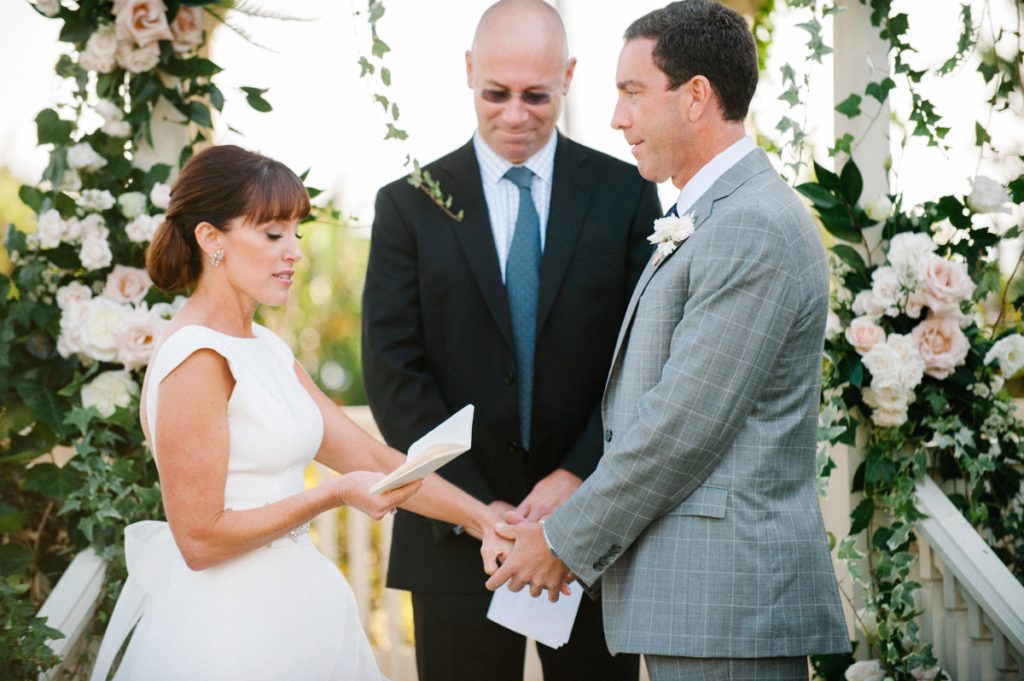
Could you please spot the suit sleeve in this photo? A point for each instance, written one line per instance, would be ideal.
(741, 304)
(582, 457)
(403, 394)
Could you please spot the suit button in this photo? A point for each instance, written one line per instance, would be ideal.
(513, 447)
(608, 436)
(510, 377)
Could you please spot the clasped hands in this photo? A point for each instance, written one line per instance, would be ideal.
(515, 550)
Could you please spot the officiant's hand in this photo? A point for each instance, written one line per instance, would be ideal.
(353, 489)
(548, 494)
(531, 563)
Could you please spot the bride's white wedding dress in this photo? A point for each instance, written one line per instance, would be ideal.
(279, 612)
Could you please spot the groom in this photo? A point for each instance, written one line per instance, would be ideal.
(701, 521)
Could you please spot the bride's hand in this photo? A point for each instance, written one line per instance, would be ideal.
(354, 490)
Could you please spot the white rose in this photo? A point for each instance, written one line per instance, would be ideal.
(127, 285)
(946, 285)
(136, 337)
(75, 292)
(49, 229)
(988, 196)
(96, 200)
(108, 391)
(883, 363)
(885, 284)
(132, 204)
(83, 157)
(142, 228)
(117, 128)
(94, 227)
(942, 345)
(95, 254)
(890, 398)
(72, 318)
(925, 674)
(144, 22)
(832, 325)
(911, 366)
(98, 333)
(867, 304)
(100, 50)
(187, 28)
(865, 670)
(879, 208)
(1009, 352)
(70, 181)
(160, 195)
(138, 60)
(72, 230)
(863, 334)
(48, 7)
(108, 110)
(906, 251)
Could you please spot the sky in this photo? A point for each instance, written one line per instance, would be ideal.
(325, 120)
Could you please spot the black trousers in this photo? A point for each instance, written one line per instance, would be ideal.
(456, 642)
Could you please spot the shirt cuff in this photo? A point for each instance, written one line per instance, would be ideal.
(547, 541)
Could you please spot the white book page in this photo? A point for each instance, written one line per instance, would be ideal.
(442, 444)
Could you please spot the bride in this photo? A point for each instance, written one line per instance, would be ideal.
(231, 586)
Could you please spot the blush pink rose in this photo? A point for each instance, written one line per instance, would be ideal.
(863, 334)
(187, 29)
(136, 337)
(142, 21)
(127, 285)
(946, 285)
(941, 344)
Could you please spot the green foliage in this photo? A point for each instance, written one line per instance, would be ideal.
(378, 48)
(24, 653)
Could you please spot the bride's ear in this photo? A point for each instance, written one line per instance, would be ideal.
(209, 238)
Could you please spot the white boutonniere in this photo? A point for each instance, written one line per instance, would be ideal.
(669, 232)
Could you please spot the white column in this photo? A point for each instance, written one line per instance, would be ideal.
(862, 57)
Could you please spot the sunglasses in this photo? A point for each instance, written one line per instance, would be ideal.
(530, 97)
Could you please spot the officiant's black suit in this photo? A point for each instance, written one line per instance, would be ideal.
(437, 336)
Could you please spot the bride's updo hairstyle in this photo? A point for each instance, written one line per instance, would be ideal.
(218, 185)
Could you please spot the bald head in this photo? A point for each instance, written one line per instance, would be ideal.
(531, 26)
(519, 70)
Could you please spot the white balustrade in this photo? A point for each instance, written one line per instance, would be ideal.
(973, 605)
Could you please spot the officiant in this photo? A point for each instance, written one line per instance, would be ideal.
(514, 309)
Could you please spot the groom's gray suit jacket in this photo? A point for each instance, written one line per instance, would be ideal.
(701, 521)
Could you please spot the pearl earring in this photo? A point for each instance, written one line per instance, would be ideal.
(217, 257)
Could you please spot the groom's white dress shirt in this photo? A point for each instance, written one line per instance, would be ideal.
(714, 169)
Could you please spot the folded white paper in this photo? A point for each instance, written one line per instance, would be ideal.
(537, 618)
(445, 442)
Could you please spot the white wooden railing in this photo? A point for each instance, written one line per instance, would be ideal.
(973, 605)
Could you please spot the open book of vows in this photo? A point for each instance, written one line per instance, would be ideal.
(433, 450)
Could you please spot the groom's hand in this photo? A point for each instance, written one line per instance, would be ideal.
(531, 563)
(548, 494)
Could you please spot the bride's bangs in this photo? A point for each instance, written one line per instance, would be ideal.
(277, 195)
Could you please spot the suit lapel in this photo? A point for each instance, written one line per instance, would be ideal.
(752, 164)
(475, 236)
(570, 195)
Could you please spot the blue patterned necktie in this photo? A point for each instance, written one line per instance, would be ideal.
(673, 212)
(522, 282)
